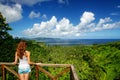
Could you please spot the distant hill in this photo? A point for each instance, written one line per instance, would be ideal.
(60, 41)
(42, 39)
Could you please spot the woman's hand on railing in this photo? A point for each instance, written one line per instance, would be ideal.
(14, 63)
(38, 63)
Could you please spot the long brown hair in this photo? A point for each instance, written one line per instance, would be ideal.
(21, 48)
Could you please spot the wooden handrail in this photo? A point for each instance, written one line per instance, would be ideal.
(39, 67)
(55, 65)
(41, 64)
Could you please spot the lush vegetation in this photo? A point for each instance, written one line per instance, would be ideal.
(95, 62)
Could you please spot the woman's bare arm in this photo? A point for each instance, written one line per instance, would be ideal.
(16, 59)
(28, 56)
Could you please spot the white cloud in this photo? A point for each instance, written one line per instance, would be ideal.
(34, 15)
(65, 29)
(86, 18)
(24, 2)
(12, 13)
(118, 6)
(114, 14)
(2, 0)
(85, 21)
(61, 1)
(105, 20)
(44, 16)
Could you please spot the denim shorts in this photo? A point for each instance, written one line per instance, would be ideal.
(22, 70)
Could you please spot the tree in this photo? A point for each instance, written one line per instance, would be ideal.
(4, 28)
(6, 40)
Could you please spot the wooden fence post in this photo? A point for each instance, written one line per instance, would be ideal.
(71, 75)
(37, 72)
(3, 73)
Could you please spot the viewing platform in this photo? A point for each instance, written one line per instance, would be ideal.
(40, 68)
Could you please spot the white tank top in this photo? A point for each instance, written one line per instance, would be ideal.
(23, 62)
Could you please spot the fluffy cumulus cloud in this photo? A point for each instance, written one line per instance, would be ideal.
(65, 29)
(34, 14)
(86, 18)
(12, 13)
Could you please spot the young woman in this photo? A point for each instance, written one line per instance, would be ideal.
(24, 61)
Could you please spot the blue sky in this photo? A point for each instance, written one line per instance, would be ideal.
(79, 19)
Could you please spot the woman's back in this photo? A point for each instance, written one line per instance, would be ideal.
(23, 62)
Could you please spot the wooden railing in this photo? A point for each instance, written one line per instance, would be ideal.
(39, 67)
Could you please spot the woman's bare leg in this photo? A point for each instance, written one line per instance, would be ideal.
(26, 76)
(21, 76)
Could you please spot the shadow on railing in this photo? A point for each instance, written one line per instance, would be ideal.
(39, 67)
